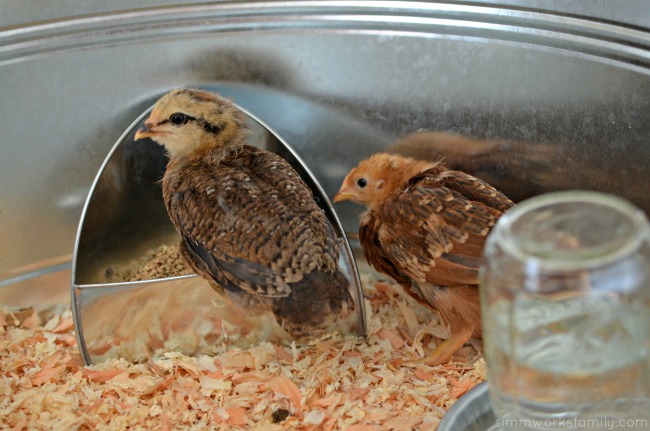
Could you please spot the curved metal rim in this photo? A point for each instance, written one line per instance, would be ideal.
(477, 396)
(613, 41)
(336, 224)
(81, 343)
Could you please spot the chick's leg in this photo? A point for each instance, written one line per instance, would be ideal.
(444, 352)
(459, 307)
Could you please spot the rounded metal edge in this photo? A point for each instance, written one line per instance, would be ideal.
(612, 41)
(76, 318)
(476, 401)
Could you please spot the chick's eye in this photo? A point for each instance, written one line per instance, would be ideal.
(361, 182)
(178, 119)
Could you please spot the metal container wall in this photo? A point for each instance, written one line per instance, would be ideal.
(564, 99)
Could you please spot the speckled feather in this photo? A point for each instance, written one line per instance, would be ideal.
(248, 222)
(253, 216)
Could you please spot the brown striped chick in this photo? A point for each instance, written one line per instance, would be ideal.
(248, 223)
(425, 227)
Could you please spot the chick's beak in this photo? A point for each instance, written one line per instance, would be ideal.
(146, 131)
(344, 194)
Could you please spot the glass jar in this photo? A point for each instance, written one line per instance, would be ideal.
(565, 294)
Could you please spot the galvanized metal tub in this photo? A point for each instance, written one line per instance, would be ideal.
(547, 97)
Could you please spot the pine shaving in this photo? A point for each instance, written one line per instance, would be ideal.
(332, 383)
(282, 385)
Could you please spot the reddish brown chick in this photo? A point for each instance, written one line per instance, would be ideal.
(425, 227)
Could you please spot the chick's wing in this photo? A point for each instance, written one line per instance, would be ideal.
(436, 228)
(251, 221)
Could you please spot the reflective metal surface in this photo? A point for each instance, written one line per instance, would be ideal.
(566, 81)
(123, 221)
(472, 412)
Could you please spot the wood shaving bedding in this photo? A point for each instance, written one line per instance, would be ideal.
(335, 382)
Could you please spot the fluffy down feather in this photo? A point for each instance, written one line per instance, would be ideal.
(426, 227)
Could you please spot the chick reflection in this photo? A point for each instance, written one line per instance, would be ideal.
(526, 169)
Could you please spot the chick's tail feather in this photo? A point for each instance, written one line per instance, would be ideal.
(316, 302)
